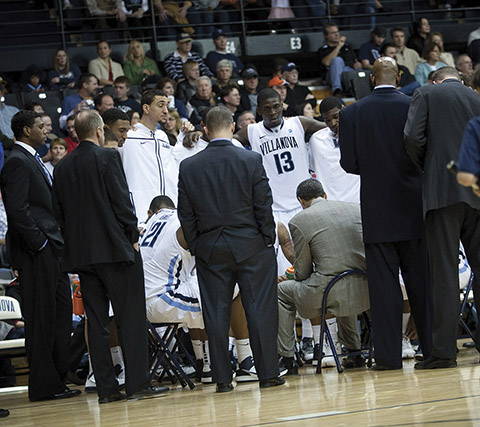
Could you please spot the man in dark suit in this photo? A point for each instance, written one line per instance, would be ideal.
(433, 133)
(372, 146)
(230, 230)
(93, 208)
(34, 243)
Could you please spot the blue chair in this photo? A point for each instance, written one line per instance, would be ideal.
(324, 329)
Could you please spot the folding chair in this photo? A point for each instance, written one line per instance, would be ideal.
(463, 323)
(162, 353)
(357, 83)
(10, 310)
(324, 328)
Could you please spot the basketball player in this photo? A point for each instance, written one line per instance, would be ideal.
(283, 146)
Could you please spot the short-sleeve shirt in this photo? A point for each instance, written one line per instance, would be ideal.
(346, 53)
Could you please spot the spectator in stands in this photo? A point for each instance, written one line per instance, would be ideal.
(122, 100)
(202, 12)
(83, 100)
(336, 56)
(445, 57)
(464, 64)
(170, 14)
(407, 83)
(117, 122)
(44, 152)
(405, 56)
(246, 118)
(224, 75)
(220, 52)
(34, 106)
(108, 14)
(173, 64)
(33, 79)
(135, 11)
(134, 118)
(64, 74)
(370, 51)
(103, 67)
(6, 113)
(249, 90)
(167, 86)
(230, 97)
(186, 88)
(281, 12)
(431, 54)
(58, 150)
(202, 99)
(172, 125)
(279, 85)
(305, 109)
(138, 66)
(418, 39)
(72, 139)
(103, 102)
(296, 93)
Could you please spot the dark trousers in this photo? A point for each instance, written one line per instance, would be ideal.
(123, 285)
(445, 227)
(257, 279)
(384, 260)
(47, 309)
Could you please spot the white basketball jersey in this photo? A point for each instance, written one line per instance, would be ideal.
(285, 159)
(165, 263)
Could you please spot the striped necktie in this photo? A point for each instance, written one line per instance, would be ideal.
(45, 170)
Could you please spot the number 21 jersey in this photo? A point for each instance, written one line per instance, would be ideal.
(285, 159)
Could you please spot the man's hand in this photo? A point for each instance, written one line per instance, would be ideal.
(342, 42)
(190, 139)
(55, 80)
(135, 246)
(121, 16)
(187, 127)
(281, 278)
(162, 14)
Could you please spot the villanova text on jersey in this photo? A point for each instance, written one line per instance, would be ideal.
(280, 143)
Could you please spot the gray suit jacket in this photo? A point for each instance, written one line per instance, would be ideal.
(327, 239)
(434, 130)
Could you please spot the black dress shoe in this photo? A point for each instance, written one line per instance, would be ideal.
(357, 361)
(378, 367)
(4, 413)
(436, 363)
(272, 382)
(114, 397)
(65, 394)
(287, 366)
(150, 391)
(224, 387)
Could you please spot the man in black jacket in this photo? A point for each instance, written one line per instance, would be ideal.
(34, 244)
(225, 208)
(93, 208)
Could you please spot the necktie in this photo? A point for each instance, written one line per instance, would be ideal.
(45, 170)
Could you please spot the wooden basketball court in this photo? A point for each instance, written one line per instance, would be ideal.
(359, 397)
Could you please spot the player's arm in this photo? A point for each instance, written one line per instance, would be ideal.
(416, 128)
(242, 137)
(181, 239)
(310, 126)
(303, 257)
(346, 133)
(285, 242)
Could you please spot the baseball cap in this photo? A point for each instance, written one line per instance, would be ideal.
(289, 66)
(217, 33)
(184, 37)
(277, 81)
(380, 31)
(249, 72)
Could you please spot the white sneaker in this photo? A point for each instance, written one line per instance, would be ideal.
(207, 375)
(90, 384)
(407, 350)
(327, 360)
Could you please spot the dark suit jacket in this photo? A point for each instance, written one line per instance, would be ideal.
(28, 202)
(372, 146)
(223, 190)
(93, 208)
(433, 134)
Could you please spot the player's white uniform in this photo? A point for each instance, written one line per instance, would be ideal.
(150, 168)
(325, 162)
(285, 159)
(171, 288)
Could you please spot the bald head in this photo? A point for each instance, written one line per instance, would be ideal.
(385, 71)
